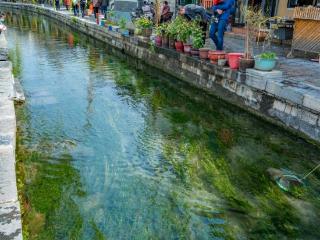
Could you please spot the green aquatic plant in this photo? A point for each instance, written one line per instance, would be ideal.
(15, 58)
(74, 19)
(41, 195)
(98, 235)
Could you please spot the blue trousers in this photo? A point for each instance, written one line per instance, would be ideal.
(219, 28)
(76, 10)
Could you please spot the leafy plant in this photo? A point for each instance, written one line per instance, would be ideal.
(174, 26)
(122, 23)
(161, 29)
(143, 23)
(74, 19)
(268, 55)
(197, 36)
(184, 32)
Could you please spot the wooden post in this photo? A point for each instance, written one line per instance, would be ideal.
(157, 12)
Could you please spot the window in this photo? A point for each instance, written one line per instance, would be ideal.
(299, 3)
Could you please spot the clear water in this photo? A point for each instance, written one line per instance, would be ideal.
(106, 151)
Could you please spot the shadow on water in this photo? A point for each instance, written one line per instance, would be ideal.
(109, 151)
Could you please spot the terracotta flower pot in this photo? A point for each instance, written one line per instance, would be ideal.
(214, 56)
(245, 63)
(203, 53)
(165, 41)
(179, 46)
(158, 41)
(187, 48)
(171, 43)
(146, 32)
(194, 52)
(234, 60)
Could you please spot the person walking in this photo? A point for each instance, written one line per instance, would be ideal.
(83, 4)
(96, 6)
(57, 3)
(165, 12)
(75, 6)
(104, 7)
(222, 11)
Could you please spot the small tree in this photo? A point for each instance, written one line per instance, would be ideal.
(254, 20)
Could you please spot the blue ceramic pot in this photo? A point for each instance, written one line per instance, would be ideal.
(265, 64)
(125, 32)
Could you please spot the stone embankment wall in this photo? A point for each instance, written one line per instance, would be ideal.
(10, 219)
(264, 94)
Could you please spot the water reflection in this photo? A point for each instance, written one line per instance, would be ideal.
(134, 154)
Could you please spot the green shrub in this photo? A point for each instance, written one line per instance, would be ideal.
(268, 55)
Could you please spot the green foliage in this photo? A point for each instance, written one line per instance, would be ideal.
(196, 35)
(122, 23)
(174, 27)
(74, 19)
(152, 47)
(42, 197)
(143, 23)
(161, 29)
(98, 235)
(268, 55)
(110, 14)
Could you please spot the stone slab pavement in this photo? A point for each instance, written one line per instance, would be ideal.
(300, 81)
(295, 71)
(10, 219)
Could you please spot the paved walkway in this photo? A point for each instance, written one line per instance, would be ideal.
(296, 71)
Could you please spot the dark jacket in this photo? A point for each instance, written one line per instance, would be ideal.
(227, 7)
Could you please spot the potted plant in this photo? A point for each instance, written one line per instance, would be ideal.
(254, 20)
(145, 25)
(159, 34)
(173, 29)
(265, 61)
(184, 34)
(197, 40)
(172, 34)
(122, 24)
(164, 36)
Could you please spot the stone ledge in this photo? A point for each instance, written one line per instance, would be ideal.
(10, 221)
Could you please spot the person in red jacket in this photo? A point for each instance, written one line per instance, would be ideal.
(67, 3)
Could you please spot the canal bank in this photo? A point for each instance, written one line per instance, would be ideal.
(10, 219)
(268, 95)
(123, 153)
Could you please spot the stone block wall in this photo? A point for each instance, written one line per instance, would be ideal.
(264, 94)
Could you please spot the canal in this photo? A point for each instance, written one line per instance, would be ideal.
(109, 151)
